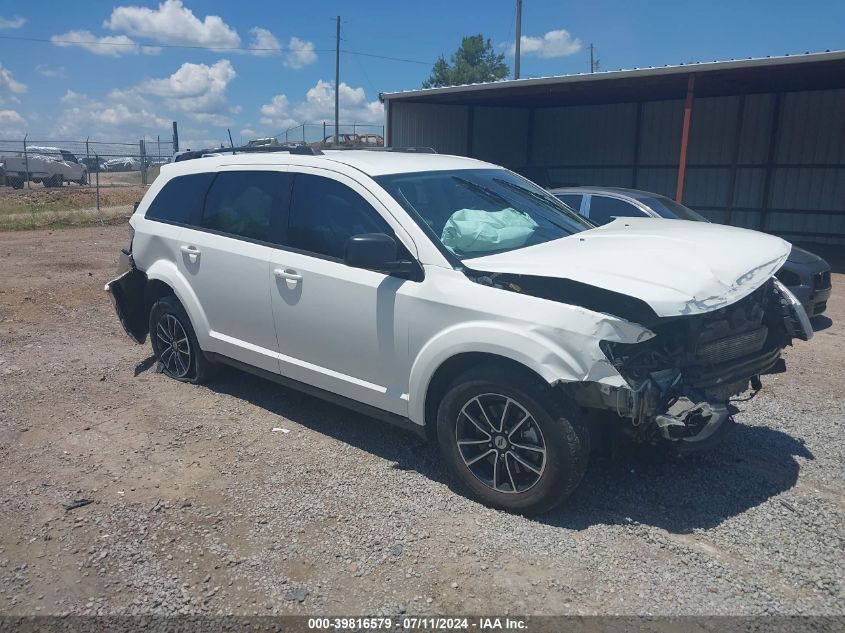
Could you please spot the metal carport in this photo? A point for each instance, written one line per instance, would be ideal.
(758, 143)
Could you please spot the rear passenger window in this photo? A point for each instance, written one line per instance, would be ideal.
(180, 200)
(571, 200)
(325, 213)
(603, 209)
(246, 203)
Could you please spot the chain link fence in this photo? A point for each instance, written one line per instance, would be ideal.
(50, 182)
(322, 135)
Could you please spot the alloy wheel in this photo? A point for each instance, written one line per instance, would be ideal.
(501, 443)
(174, 347)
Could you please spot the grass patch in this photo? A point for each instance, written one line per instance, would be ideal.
(64, 219)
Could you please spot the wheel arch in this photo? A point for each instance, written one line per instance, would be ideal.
(453, 352)
(164, 276)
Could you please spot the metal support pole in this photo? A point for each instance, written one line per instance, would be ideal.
(26, 162)
(682, 161)
(143, 153)
(337, 85)
(324, 134)
(87, 159)
(97, 158)
(175, 138)
(518, 44)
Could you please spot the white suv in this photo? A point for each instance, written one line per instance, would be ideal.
(455, 298)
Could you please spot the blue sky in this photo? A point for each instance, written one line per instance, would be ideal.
(134, 83)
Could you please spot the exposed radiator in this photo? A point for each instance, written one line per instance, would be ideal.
(730, 347)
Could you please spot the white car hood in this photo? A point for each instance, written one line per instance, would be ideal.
(675, 266)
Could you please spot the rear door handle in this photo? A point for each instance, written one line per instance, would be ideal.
(192, 252)
(287, 273)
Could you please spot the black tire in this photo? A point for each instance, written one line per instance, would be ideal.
(197, 369)
(16, 182)
(84, 179)
(560, 429)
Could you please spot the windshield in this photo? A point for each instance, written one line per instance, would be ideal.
(474, 212)
(668, 208)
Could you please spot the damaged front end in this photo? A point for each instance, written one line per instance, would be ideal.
(681, 381)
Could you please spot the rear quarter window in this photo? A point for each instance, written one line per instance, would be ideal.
(180, 201)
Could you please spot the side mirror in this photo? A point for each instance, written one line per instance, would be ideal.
(375, 251)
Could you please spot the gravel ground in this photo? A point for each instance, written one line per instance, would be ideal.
(190, 501)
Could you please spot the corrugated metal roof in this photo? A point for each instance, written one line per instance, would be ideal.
(651, 71)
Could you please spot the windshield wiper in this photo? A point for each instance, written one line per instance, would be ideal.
(556, 211)
(483, 191)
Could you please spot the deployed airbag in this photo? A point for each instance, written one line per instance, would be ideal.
(479, 231)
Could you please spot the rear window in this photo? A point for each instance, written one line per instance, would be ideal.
(603, 209)
(245, 203)
(180, 200)
(571, 200)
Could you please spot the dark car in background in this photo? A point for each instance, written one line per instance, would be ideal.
(807, 275)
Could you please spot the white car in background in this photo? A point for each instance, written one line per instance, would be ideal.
(49, 165)
(457, 299)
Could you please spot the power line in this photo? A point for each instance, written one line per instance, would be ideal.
(274, 49)
(395, 59)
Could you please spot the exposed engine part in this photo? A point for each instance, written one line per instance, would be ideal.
(682, 380)
(694, 423)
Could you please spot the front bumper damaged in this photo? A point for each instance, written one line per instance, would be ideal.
(690, 402)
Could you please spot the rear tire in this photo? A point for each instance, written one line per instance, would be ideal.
(175, 344)
(16, 182)
(528, 466)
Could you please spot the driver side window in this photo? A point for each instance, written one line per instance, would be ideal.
(325, 213)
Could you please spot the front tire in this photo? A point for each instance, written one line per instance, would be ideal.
(175, 344)
(510, 441)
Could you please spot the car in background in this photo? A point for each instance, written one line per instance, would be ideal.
(49, 165)
(807, 275)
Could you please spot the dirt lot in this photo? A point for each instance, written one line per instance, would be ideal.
(199, 505)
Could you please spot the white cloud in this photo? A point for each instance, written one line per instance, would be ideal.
(354, 107)
(318, 106)
(11, 122)
(122, 112)
(173, 23)
(198, 90)
(12, 23)
(553, 44)
(249, 132)
(50, 71)
(301, 53)
(9, 83)
(262, 39)
(193, 80)
(110, 45)
(276, 114)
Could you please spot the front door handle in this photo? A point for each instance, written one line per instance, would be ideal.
(288, 274)
(191, 251)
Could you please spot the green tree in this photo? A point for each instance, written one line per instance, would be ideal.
(473, 62)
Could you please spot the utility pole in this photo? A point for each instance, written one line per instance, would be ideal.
(518, 38)
(594, 63)
(337, 85)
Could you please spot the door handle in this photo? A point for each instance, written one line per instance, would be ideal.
(192, 252)
(288, 274)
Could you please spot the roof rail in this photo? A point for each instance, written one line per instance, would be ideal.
(302, 150)
(247, 149)
(406, 150)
